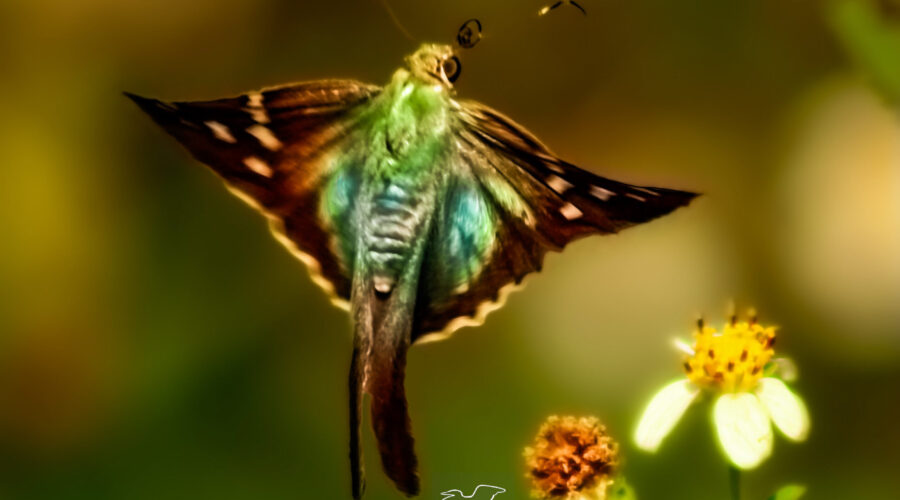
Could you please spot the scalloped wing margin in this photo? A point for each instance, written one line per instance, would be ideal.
(537, 203)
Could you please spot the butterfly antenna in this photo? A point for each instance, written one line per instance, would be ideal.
(396, 21)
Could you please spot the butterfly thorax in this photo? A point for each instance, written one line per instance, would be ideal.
(410, 124)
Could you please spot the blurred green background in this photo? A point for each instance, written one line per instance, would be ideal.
(156, 342)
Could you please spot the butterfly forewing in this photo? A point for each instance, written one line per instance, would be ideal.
(587, 203)
(278, 149)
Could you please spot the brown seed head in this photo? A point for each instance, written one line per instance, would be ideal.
(571, 457)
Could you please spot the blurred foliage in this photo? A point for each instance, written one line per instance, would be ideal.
(789, 492)
(869, 31)
(621, 490)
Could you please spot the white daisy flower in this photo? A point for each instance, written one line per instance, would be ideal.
(734, 367)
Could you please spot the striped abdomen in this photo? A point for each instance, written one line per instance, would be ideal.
(393, 226)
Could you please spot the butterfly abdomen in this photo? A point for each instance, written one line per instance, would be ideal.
(393, 226)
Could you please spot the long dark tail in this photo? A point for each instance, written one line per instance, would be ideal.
(382, 337)
(357, 470)
(390, 417)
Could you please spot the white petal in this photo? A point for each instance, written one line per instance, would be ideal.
(683, 346)
(786, 368)
(786, 408)
(743, 428)
(663, 412)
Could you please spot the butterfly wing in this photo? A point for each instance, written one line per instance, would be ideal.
(283, 150)
(294, 153)
(510, 202)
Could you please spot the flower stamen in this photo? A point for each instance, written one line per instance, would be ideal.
(730, 360)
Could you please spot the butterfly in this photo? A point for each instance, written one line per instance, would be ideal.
(416, 211)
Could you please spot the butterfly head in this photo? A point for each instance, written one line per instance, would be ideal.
(435, 64)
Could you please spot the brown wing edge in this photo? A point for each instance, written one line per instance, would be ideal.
(528, 144)
(154, 107)
(485, 308)
(276, 227)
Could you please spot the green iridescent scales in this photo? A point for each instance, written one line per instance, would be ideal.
(416, 211)
(410, 132)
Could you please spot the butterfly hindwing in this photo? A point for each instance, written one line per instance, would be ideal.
(530, 202)
(282, 150)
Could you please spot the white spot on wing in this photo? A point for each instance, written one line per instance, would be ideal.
(255, 100)
(167, 106)
(601, 193)
(255, 108)
(554, 167)
(636, 197)
(570, 211)
(260, 167)
(645, 190)
(265, 136)
(528, 217)
(220, 131)
(558, 184)
(258, 115)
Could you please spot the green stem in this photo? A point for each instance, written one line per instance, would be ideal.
(734, 482)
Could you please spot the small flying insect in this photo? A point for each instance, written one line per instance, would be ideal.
(547, 8)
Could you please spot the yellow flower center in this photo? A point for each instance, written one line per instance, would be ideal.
(730, 361)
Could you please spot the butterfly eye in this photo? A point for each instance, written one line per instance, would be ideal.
(451, 68)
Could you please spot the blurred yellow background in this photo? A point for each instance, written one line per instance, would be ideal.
(156, 342)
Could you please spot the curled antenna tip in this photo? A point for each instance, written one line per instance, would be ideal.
(469, 33)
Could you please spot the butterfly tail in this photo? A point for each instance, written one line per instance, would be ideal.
(356, 383)
(385, 384)
(382, 332)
